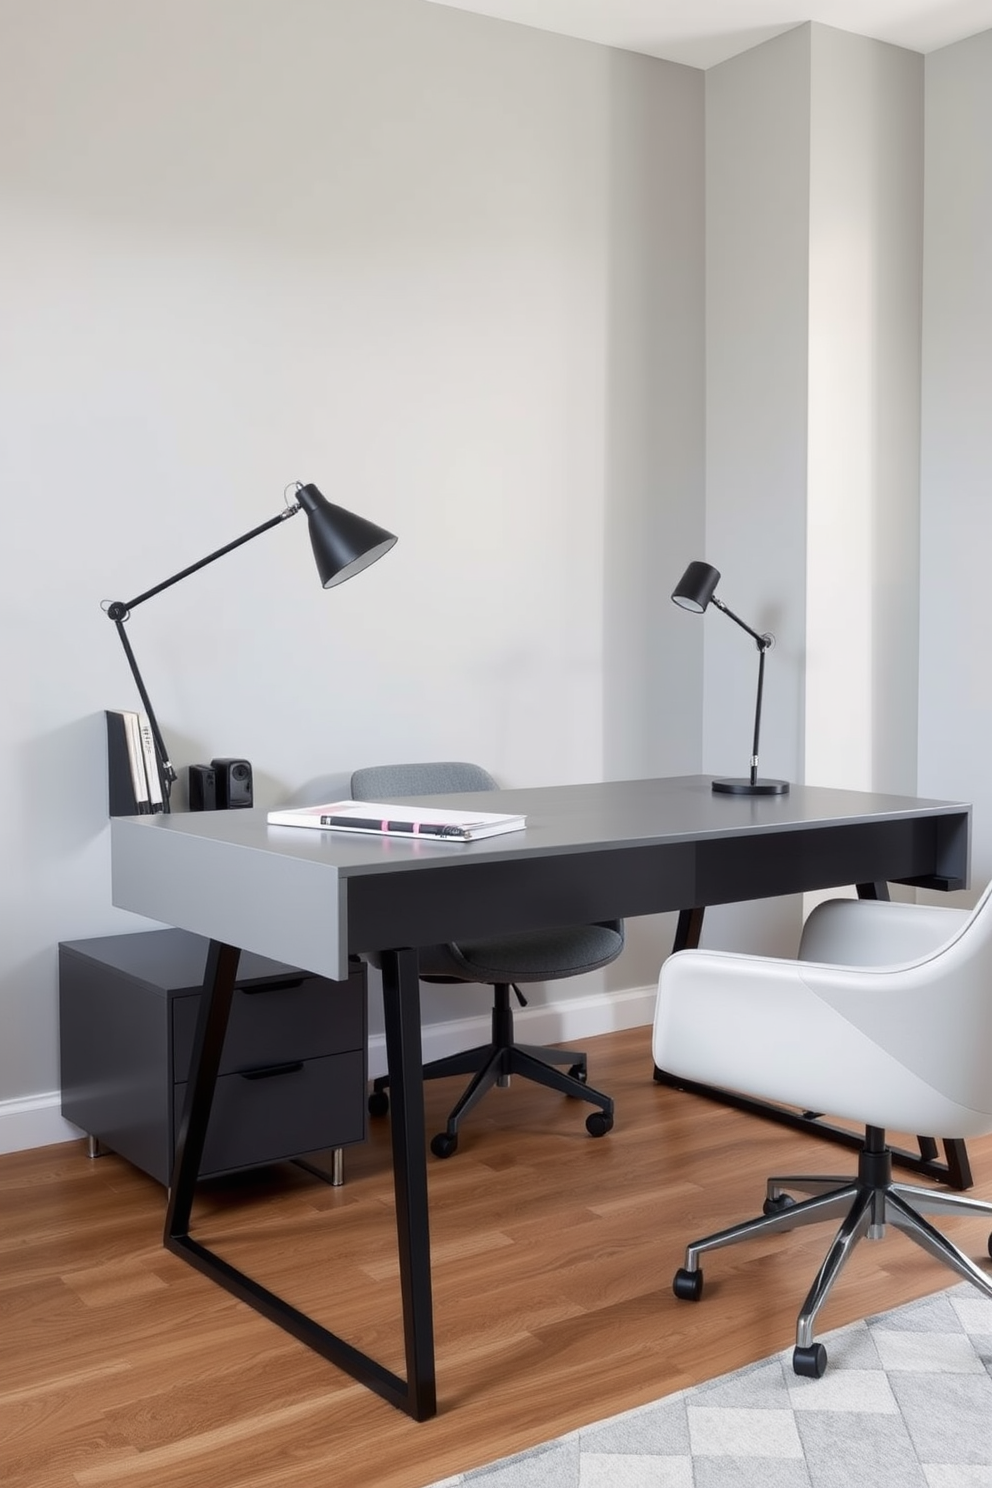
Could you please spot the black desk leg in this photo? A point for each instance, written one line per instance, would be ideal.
(208, 1043)
(404, 1059)
(955, 1171)
(415, 1396)
(873, 891)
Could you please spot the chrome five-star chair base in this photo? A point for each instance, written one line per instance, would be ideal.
(866, 1204)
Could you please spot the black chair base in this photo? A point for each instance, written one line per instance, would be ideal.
(493, 1064)
(866, 1203)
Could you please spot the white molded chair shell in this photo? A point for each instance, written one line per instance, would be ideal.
(885, 1019)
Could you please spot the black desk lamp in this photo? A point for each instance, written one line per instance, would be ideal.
(694, 591)
(343, 545)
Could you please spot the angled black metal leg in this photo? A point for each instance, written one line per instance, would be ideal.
(873, 891)
(689, 929)
(401, 996)
(401, 1017)
(219, 977)
(958, 1168)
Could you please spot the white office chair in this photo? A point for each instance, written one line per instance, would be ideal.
(885, 1019)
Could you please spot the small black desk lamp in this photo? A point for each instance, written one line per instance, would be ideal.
(342, 543)
(694, 591)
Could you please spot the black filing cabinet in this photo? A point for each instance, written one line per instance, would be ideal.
(293, 1072)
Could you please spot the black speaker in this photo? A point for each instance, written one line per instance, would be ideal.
(202, 788)
(234, 785)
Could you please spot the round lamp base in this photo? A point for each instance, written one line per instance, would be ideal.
(751, 787)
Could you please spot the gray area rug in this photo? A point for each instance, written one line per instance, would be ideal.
(906, 1402)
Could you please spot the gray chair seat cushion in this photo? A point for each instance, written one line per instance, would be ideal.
(526, 956)
(529, 956)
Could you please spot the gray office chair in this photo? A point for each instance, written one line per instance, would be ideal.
(531, 956)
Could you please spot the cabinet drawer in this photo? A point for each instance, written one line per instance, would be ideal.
(267, 1115)
(278, 1022)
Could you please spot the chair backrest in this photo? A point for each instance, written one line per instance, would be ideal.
(933, 1014)
(433, 778)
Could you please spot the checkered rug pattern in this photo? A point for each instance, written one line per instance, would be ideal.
(906, 1402)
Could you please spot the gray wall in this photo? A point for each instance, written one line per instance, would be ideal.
(956, 528)
(757, 357)
(814, 243)
(449, 269)
(862, 510)
(454, 271)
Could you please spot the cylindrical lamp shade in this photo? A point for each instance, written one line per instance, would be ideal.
(343, 544)
(696, 587)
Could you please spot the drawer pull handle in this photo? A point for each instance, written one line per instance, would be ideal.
(286, 986)
(269, 1070)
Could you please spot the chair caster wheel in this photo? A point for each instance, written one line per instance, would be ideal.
(776, 1206)
(444, 1145)
(579, 1072)
(811, 1362)
(990, 1245)
(378, 1103)
(688, 1285)
(598, 1124)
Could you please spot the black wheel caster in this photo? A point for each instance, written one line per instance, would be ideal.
(378, 1103)
(687, 1285)
(444, 1145)
(578, 1072)
(779, 1205)
(599, 1123)
(811, 1362)
(990, 1245)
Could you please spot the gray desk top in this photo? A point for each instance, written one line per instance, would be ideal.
(282, 891)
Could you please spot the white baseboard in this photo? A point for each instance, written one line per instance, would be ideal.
(37, 1121)
(34, 1121)
(558, 1022)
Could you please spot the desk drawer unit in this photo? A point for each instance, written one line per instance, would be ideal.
(293, 1071)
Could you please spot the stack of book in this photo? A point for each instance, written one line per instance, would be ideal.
(133, 772)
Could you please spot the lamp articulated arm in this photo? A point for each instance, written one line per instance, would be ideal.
(343, 544)
(120, 610)
(764, 643)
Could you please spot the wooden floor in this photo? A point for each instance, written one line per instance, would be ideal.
(553, 1255)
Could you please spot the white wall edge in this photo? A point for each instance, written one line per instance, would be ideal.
(34, 1121)
(37, 1121)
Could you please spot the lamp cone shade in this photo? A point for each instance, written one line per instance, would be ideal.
(343, 544)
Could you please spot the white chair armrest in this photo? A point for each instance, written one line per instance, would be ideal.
(877, 932)
(812, 1035)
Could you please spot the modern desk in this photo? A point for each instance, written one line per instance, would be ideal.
(589, 852)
